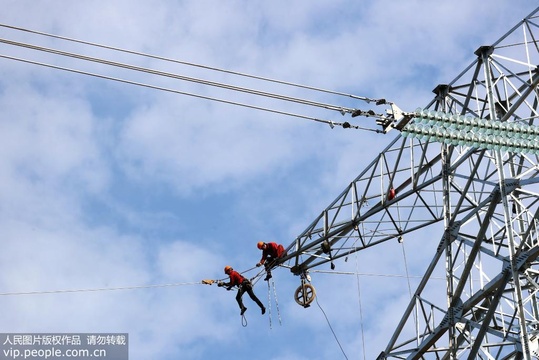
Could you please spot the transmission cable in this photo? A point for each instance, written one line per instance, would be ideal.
(155, 87)
(341, 109)
(178, 77)
(99, 289)
(203, 282)
(366, 99)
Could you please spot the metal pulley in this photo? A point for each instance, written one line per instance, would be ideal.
(305, 294)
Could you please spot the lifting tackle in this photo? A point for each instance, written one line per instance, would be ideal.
(305, 293)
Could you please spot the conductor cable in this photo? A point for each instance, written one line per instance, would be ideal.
(98, 289)
(366, 99)
(176, 76)
(179, 92)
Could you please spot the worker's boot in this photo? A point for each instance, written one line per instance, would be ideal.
(243, 310)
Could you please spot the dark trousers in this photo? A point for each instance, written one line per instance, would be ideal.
(270, 260)
(247, 287)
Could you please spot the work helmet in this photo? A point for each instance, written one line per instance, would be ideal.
(260, 244)
(227, 269)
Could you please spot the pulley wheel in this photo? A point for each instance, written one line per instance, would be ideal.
(305, 295)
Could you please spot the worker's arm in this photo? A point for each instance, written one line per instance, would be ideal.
(263, 259)
(228, 285)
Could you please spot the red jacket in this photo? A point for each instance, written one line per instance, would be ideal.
(235, 279)
(273, 250)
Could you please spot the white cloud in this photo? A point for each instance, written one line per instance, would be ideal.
(107, 185)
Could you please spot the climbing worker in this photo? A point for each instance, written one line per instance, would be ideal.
(244, 285)
(270, 252)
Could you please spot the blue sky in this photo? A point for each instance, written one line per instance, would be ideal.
(109, 185)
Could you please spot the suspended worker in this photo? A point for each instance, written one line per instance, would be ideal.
(244, 285)
(270, 252)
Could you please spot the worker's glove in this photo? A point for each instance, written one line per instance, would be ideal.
(220, 283)
(258, 264)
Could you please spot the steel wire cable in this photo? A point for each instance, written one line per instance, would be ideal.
(155, 87)
(63, 291)
(332, 331)
(361, 325)
(366, 99)
(177, 77)
(42, 292)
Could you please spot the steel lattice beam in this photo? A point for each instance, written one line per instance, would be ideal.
(488, 201)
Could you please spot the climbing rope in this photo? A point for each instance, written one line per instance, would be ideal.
(103, 289)
(406, 269)
(257, 277)
(269, 305)
(243, 320)
(401, 241)
(331, 328)
(246, 271)
(276, 301)
(360, 309)
(59, 291)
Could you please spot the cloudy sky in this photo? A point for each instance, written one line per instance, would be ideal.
(107, 185)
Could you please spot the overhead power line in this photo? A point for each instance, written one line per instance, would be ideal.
(154, 286)
(98, 289)
(329, 122)
(177, 77)
(188, 63)
(341, 109)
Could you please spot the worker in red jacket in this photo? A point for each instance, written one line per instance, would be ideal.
(244, 286)
(270, 252)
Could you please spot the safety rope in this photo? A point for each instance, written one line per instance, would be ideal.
(243, 320)
(354, 273)
(246, 271)
(401, 241)
(101, 289)
(257, 277)
(331, 328)
(135, 287)
(406, 269)
(276, 301)
(360, 308)
(269, 305)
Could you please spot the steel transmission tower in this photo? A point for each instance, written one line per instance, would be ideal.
(486, 197)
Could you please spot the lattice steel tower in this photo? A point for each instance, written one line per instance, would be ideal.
(469, 159)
